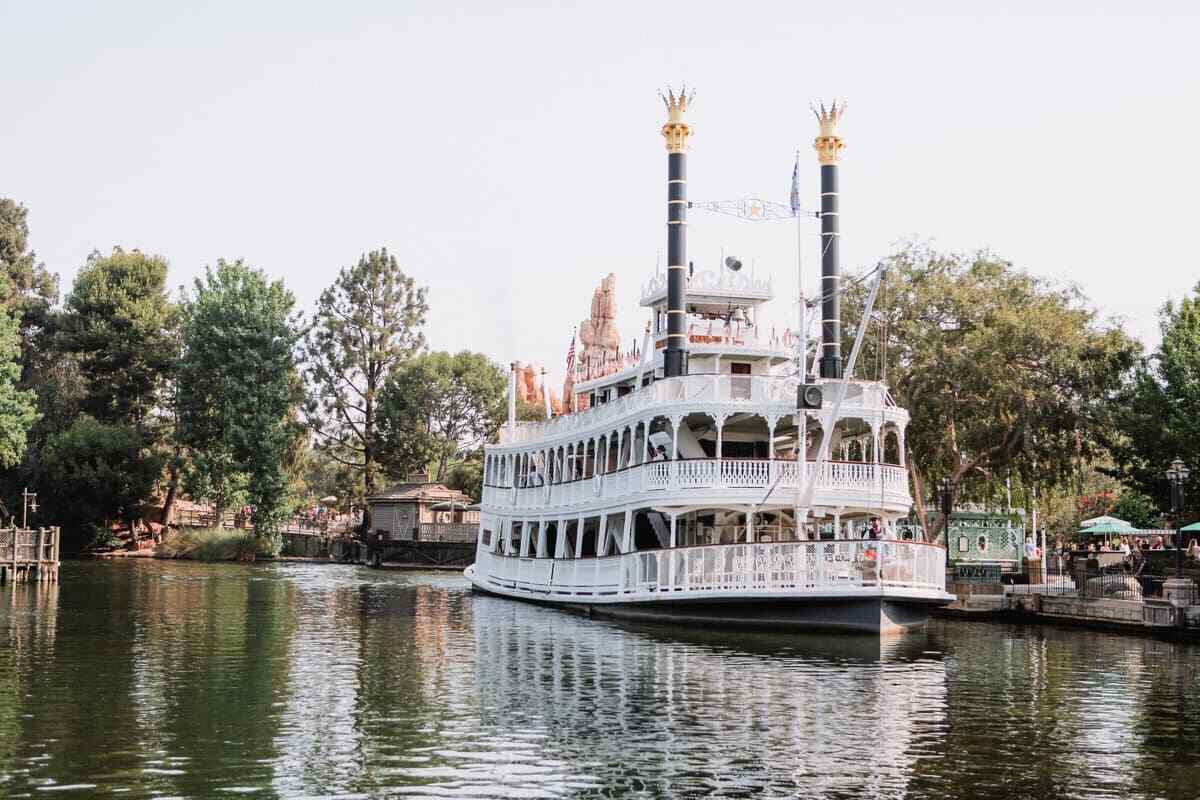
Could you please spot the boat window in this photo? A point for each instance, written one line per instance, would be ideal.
(609, 463)
(589, 467)
(528, 541)
(568, 539)
(651, 530)
(614, 534)
(514, 538)
(591, 530)
(549, 541)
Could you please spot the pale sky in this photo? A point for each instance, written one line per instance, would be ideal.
(510, 155)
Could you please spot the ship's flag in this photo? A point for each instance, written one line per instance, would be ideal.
(795, 196)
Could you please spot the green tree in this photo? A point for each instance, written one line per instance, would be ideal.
(18, 410)
(367, 323)
(121, 330)
(92, 475)
(439, 405)
(1000, 371)
(238, 389)
(122, 325)
(1137, 509)
(467, 475)
(33, 289)
(321, 476)
(1157, 417)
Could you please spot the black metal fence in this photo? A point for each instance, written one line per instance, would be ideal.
(1124, 579)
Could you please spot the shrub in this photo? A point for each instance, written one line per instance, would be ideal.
(215, 544)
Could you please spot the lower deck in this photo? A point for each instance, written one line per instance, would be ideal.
(842, 583)
(869, 613)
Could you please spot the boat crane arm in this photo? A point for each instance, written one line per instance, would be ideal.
(823, 453)
(829, 420)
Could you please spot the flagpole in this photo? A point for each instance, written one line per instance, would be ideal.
(800, 515)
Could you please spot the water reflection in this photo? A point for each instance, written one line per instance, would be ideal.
(297, 680)
(679, 713)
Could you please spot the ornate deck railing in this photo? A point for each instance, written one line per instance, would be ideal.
(760, 394)
(865, 483)
(782, 567)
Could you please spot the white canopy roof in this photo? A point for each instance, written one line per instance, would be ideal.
(1087, 523)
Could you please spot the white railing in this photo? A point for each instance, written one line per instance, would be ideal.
(865, 482)
(767, 392)
(719, 281)
(788, 567)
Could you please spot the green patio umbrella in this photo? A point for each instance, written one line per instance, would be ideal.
(1193, 528)
(1109, 527)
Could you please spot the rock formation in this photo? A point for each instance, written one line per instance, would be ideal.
(598, 337)
(531, 390)
(599, 334)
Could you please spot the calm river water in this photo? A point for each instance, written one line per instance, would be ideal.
(151, 678)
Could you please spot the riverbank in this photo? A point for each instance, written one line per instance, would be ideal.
(121, 555)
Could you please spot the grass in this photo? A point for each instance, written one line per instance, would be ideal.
(214, 544)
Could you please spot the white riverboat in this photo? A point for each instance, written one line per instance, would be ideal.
(693, 488)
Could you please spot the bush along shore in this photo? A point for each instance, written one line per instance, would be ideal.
(215, 544)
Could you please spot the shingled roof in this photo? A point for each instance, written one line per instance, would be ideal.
(416, 491)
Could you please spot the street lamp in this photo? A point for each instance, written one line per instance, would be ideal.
(30, 504)
(1177, 473)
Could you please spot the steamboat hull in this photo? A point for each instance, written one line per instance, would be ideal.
(877, 612)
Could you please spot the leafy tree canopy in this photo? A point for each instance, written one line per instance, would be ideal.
(367, 324)
(999, 369)
(94, 474)
(122, 325)
(467, 475)
(18, 409)
(33, 288)
(238, 389)
(1156, 419)
(439, 405)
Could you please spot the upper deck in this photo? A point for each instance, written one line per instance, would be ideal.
(768, 396)
(711, 287)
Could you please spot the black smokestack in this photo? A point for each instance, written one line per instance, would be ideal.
(831, 276)
(829, 146)
(676, 132)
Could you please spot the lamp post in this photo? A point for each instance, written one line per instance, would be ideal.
(946, 489)
(30, 504)
(1177, 474)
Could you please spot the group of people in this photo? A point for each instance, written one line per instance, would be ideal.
(1130, 544)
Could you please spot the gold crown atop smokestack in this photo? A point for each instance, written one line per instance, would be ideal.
(828, 144)
(677, 131)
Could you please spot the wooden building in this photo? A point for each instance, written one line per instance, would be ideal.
(423, 510)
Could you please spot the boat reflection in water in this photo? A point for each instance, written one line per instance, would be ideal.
(683, 712)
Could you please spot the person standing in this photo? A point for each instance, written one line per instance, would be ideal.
(873, 530)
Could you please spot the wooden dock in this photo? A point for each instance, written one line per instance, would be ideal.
(29, 555)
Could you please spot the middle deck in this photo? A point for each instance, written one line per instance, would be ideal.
(704, 439)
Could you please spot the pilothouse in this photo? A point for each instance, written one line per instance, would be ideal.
(702, 478)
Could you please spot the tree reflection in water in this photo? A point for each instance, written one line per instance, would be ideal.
(298, 680)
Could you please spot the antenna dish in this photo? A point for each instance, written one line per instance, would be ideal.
(733, 263)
